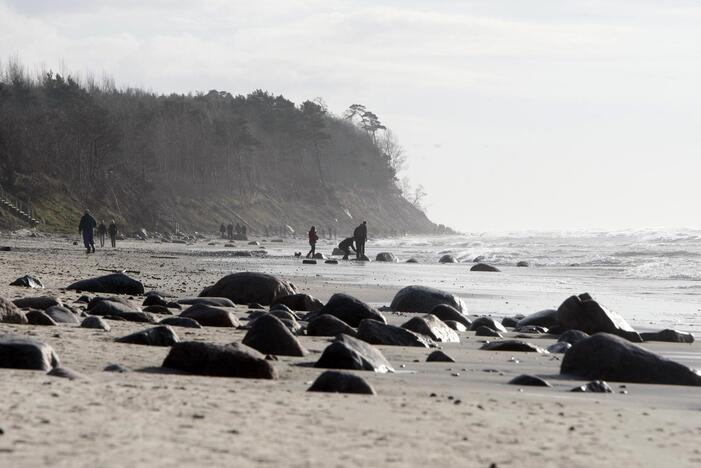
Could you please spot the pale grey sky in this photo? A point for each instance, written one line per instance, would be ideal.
(542, 114)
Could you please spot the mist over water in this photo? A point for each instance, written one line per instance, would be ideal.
(645, 254)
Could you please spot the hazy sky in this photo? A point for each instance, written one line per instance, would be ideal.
(515, 114)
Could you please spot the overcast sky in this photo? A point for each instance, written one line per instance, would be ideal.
(542, 114)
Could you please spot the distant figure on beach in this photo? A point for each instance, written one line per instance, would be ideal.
(230, 230)
(361, 236)
(112, 231)
(244, 232)
(101, 233)
(346, 245)
(87, 229)
(313, 237)
(222, 231)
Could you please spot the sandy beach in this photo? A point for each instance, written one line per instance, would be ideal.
(459, 414)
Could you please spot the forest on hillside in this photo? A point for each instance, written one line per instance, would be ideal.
(105, 144)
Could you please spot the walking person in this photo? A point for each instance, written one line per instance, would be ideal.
(230, 231)
(360, 234)
(87, 229)
(101, 233)
(112, 231)
(313, 237)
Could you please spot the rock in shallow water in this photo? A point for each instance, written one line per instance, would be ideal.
(233, 360)
(18, 352)
(346, 352)
(423, 299)
(608, 357)
(116, 283)
(248, 287)
(341, 382)
(584, 313)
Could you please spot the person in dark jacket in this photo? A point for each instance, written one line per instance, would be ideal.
(360, 234)
(87, 229)
(112, 231)
(230, 231)
(101, 233)
(346, 245)
(313, 237)
(222, 231)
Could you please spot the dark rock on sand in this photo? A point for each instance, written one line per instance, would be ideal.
(308, 261)
(545, 318)
(379, 333)
(513, 345)
(529, 380)
(116, 283)
(446, 312)
(255, 305)
(484, 330)
(38, 317)
(284, 314)
(233, 360)
(37, 302)
(346, 352)
(448, 259)
(66, 373)
(161, 335)
(18, 352)
(158, 310)
(61, 315)
(668, 335)
(572, 336)
(595, 386)
(423, 299)
(331, 261)
(10, 313)
(608, 357)
(511, 322)
(560, 347)
(328, 325)
(433, 327)
(28, 281)
(484, 267)
(532, 329)
(248, 287)
(319, 256)
(584, 313)
(439, 356)
(109, 308)
(93, 321)
(209, 316)
(332, 381)
(412, 260)
(457, 326)
(210, 301)
(303, 302)
(116, 368)
(180, 322)
(155, 300)
(386, 257)
(270, 336)
(349, 309)
(487, 322)
(118, 299)
(523, 264)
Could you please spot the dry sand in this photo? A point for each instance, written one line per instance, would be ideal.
(151, 418)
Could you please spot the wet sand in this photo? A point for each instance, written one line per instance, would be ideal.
(151, 418)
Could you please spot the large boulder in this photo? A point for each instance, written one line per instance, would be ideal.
(232, 360)
(246, 287)
(447, 258)
(28, 281)
(484, 267)
(379, 333)
(346, 352)
(38, 317)
(431, 326)
(10, 313)
(270, 336)
(446, 312)
(488, 322)
(547, 318)
(37, 302)
(609, 357)
(116, 283)
(350, 310)
(328, 325)
(669, 336)
(583, 313)
(61, 315)
(209, 316)
(161, 335)
(386, 257)
(18, 352)
(423, 299)
(332, 381)
(210, 301)
(303, 302)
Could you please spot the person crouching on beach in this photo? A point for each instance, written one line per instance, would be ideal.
(313, 237)
(346, 245)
